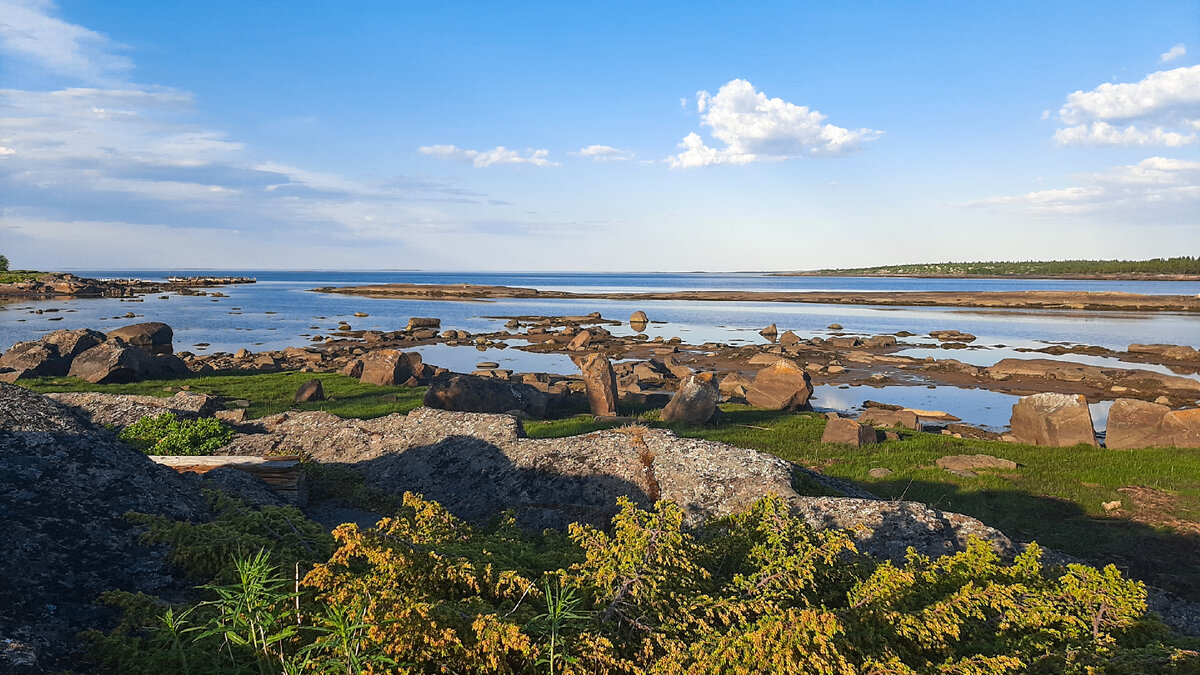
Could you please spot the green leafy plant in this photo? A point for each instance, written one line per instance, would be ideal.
(166, 434)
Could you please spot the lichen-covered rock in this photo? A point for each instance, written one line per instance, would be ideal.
(121, 410)
(65, 487)
(1053, 420)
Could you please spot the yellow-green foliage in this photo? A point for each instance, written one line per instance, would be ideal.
(757, 592)
(166, 434)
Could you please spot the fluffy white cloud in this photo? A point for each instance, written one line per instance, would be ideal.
(1155, 188)
(484, 158)
(1172, 53)
(754, 128)
(605, 153)
(28, 32)
(1163, 109)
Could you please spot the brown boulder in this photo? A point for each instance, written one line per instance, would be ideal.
(848, 432)
(152, 336)
(353, 369)
(789, 338)
(1053, 420)
(781, 386)
(601, 383)
(389, 367)
(1183, 427)
(735, 384)
(906, 419)
(694, 403)
(1136, 424)
(580, 341)
(36, 359)
(312, 390)
(423, 322)
(468, 393)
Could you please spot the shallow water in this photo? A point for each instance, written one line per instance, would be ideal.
(280, 311)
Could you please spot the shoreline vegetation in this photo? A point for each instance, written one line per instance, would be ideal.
(1069, 300)
(1183, 268)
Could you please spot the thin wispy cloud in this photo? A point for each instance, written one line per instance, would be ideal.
(481, 159)
(605, 153)
(754, 128)
(1163, 109)
(1157, 188)
(28, 32)
(1173, 53)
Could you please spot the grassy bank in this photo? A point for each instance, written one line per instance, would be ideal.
(267, 393)
(1055, 496)
(17, 276)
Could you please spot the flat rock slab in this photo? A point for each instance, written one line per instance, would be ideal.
(972, 463)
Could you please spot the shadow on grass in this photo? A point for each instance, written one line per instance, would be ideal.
(1165, 558)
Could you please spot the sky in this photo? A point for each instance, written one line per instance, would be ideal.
(616, 136)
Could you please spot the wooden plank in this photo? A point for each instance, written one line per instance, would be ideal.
(284, 474)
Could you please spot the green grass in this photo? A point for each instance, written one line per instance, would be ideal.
(16, 276)
(268, 393)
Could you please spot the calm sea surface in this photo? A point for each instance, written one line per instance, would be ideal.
(279, 311)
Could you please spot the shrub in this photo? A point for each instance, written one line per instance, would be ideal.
(3, 264)
(166, 434)
(756, 592)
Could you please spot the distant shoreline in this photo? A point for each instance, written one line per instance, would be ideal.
(1048, 300)
(1064, 277)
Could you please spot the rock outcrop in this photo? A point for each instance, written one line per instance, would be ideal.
(113, 362)
(121, 410)
(1053, 420)
(479, 465)
(65, 487)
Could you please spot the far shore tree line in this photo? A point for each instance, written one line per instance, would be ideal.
(1182, 265)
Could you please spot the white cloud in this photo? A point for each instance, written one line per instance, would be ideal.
(755, 128)
(605, 153)
(1157, 188)
(1172, 53)
(485, 158)
(29, 33)
(1163, 109)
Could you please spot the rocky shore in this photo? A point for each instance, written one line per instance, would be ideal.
(52, 285)
(1058, 300)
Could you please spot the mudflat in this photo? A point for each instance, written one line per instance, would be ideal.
(1070, 300)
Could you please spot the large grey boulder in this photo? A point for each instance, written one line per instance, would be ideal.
(1053, 420)
(154, 337)
(71, 343)
(35, 359)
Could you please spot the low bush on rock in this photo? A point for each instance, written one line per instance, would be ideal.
(166, 434)
(757, 592)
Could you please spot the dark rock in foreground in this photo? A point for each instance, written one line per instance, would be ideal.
(65, 487)
(470, 393)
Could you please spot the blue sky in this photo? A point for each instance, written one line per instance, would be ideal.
(615, 136)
